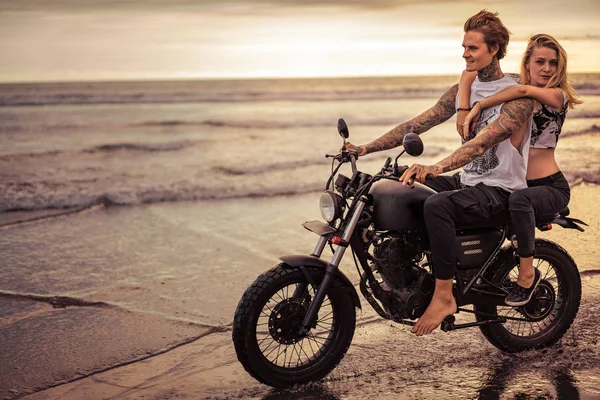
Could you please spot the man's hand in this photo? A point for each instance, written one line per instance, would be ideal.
(360, 150)
(420, 173)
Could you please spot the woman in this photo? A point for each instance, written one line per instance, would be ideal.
(543, 78)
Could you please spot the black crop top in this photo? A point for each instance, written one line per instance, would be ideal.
(547, 125)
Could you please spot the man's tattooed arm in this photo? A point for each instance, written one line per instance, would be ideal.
(440, 112)
(514, 115)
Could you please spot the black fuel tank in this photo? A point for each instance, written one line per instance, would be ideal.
(399, 207)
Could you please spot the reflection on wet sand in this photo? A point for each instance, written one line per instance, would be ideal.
(500, 376)
(315, 391)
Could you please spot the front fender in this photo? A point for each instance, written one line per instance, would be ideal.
(293, 261)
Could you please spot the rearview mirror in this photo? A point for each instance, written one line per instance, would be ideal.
(413, 144)
(342, 128)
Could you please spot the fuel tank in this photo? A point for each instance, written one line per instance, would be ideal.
(399, 207)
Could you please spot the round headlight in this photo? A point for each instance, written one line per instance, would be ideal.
(331, 206)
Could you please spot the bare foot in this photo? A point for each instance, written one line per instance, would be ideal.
(438, 309)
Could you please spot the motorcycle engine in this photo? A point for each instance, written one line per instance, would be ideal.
(407, 287)
(395, 261)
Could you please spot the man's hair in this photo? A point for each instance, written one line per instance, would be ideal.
(494, 31)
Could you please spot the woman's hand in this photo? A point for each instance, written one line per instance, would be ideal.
(460, 119)
(360, 150)
(471, 119)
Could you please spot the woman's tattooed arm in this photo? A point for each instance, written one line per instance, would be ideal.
(513, 116)
(440, 112)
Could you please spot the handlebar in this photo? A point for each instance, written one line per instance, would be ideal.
(344, 157)
(388, 171)
(399, 170)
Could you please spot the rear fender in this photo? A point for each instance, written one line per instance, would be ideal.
(294, 261)
(563, 220)
(569, 223)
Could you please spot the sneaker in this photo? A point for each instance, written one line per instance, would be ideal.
(519, 296)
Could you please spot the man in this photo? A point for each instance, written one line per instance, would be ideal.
(494, 161)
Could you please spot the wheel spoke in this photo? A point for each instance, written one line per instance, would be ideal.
(278, 320)
(275, 351)
(314, 339)
(535, 318)
(311, 347)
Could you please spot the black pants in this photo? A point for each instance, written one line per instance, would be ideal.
(542, 200)
(456, 206)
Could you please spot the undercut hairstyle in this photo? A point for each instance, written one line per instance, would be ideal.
(494, 31)
(560, 78)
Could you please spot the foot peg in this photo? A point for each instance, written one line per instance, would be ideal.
(448, 323)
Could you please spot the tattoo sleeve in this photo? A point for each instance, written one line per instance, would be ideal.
(440, 112)
(513, 115)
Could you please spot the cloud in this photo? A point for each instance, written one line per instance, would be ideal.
(91, 5)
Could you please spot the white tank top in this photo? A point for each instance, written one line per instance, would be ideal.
(503, 165)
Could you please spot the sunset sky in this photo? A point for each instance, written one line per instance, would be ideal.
(66, 40)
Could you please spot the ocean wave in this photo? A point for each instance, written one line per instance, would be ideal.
(316, 89)
(429, 151)
(154, 147)
(267, 125)
(248, 124)
(587, 131)
(38, 99)
(583, 115)
(262, 124)
(12, 199)
(260, 169)
(585, 176)
(586, 87)
(104, 148)
(287, 125)
(345, 95)
(26, 196)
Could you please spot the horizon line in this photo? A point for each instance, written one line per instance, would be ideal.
(250, 78)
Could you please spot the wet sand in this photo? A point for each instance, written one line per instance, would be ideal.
(149, 295)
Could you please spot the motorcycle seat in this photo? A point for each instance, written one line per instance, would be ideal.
(563, 213)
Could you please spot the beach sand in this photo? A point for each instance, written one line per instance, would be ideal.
(159, 326)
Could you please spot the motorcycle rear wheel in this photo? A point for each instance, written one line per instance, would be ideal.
(551, 311)
(267, 321)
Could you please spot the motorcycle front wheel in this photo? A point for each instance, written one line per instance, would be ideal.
(553, 308)
(267, 322)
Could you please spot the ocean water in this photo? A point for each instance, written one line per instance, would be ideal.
(144, 149)
(65, 145)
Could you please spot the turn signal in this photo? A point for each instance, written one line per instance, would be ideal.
(545, 227)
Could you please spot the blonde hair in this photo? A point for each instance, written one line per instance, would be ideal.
(494, 31)
(560, 78)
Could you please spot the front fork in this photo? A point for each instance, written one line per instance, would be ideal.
(332, 267)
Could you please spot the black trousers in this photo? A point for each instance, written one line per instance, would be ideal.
(456, 206)
(542, 200)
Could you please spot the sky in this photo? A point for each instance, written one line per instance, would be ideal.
(98, 40)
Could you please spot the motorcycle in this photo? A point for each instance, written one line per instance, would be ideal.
(295, 323)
